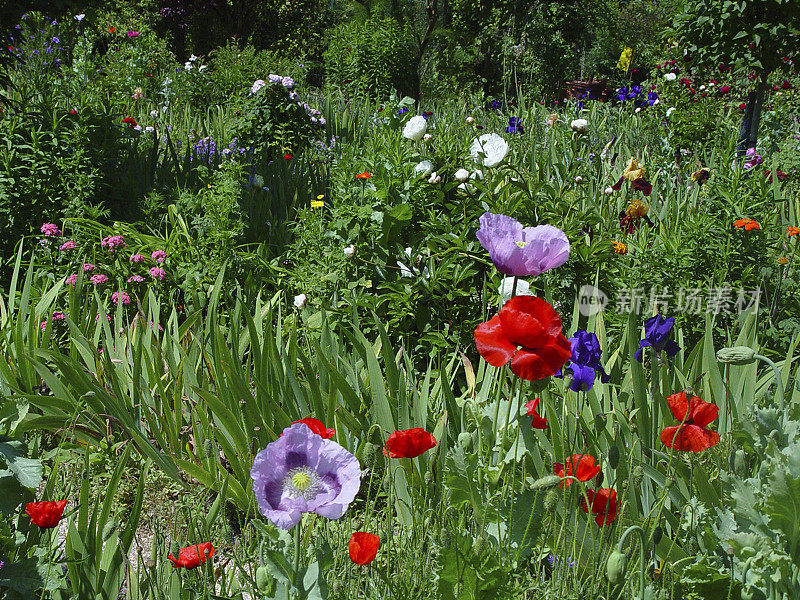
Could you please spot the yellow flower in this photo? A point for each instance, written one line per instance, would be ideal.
(634, 170)
(619, 247)
(317, 204)
(636, 209)
(624, 61)
(782, 260)
(320, 197)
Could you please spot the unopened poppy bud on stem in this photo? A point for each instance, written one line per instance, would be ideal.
(736, 355)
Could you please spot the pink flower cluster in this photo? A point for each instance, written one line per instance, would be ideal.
(135, 279)
(113, 242)
(68, 245)
(159, 256)
(117, 297)
(50, 230)
(57, 316)
(137, 258)
(753, 158)
(98, 279)
(157, 273)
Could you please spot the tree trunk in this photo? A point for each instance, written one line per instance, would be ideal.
(748, 134)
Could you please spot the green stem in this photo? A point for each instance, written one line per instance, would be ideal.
(642, 548)
(297, 538)
(778, 381)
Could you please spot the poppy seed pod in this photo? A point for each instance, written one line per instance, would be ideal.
(736, 355)
(615, 567)
(613, 456)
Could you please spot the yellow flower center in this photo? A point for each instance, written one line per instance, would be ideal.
(301, 481)
(521, 244)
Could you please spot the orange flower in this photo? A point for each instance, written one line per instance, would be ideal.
(363, 547)
(580, 466)
(363, 176)
(790, 231)
(619, 247)
(748, 224)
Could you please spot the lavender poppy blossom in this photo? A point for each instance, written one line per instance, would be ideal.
(585, 361)
(301, 472)
(522, 251)
(657, 331)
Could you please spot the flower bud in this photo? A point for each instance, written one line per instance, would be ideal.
(736, 355)
(613, 456)
(579, 179)
(608, 191)
(427, 137)
(465, 440)
(550, 500)
(462, 175)
(470, 120)
(546, 482)
(615, 567)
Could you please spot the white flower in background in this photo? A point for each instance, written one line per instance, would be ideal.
(492, 146)
(470, 120)
(427, 137)
(415, 128)
(423, 169)
(609, 191)
(287, 82)
(670, 110)
(702, 87)
(579, 125)
(274, 78)
(505, 289)
(466, 188)
(579, 179)
(257, 85)
(202, 68)
(638, 109)
(192, 58)
(137, 127)
(670, 77)
(154, 113)
(300, 300)
(350, 251)
(258, 181)
(188, 66)
(149, 129)
(434, 178)
(711, 84)
(79, 17)
(462, 175)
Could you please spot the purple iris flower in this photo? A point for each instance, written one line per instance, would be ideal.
(585, 361)
(622, 94)
(634, 92)
(515, 125)
(301, 472)
(652, 98)
(496, 104)
(657, 331)
(401, 111)
(522, 251)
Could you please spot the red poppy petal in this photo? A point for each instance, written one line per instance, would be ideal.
(541, 362)
(528, 321)
(492, 343)
(679, 405)
(689, 438)
(703, 413)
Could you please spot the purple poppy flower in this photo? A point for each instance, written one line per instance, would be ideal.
(301, 472)
(522, 251)
(585, 361)
(657, 331)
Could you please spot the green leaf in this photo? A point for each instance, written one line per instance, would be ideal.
(28, 471)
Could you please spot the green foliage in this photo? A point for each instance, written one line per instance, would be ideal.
(469, 571)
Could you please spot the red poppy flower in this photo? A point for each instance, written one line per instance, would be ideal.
(363, 176)
(317, 427)
(363, 547)
(580, 466)
(748, 224)
(192, 557)
(129, 121)
(742, 106)
(45, 514)
(694, 415)
(288, 156)
(409, 443)
(539, 422)
(527, 332)
(790, 231)
(604, 505)
(112, 29)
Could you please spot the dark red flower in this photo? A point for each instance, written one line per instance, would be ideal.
(192, 557)
(288, 156)
(580, 466)
(724, 89)
(363, 547)
(112, 29)
(527, 332)
(539, 422)
(317, 427)
(643, 186)
(786, 85)
(691, 435)
(604, 505)
(409, 443)
(742, 106)
(129, 121)
(45, 514)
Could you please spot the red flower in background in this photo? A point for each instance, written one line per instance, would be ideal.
(129, 121)
(603, 503)
(748, 224)
(45, 514)
(317, 427)
(288, 156)
(691, 435)
(539, 422)
(409, 443)
(112, 29)
(364, 176)
(526, 332)
(363, 547)
(790, 231)
(580, 466)
(192, 557)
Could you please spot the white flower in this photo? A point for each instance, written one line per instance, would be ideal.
(579, 125)
(188, 66)
(462, 175)
(493, 147)
(154, 113)
(137, 127)
(149, 129)
(300, 300)
(192, 58)
(466, 188)
(670, 110)
(79, 17)
(638, 109)
(608, 191)
(434, 178)
(670, 77)
(470, 120)
(350, 251)
(202, 68)
(579, 179)
(415, 128)
(711, 84)
(257, 85)
(505, 289)
(427, 137)
(702, 87)
(258, 181)
(423, 169)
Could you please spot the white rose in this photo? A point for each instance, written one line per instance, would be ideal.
(300, 300)
(670, 77)
(462, 175)
(350, 251)
(579, 125)
(492, 146)
(423, 169)
(415, 128)
(579, 179)
(670, 110)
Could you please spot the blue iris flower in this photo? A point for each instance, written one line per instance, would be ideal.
(622, 94)
(652, 98)
(515, 125)
(585, 361)
(634, 92)
(657, 332)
